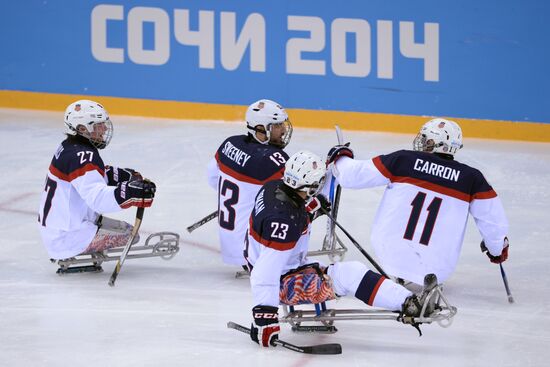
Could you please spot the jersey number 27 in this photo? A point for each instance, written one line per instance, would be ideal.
(50, 187)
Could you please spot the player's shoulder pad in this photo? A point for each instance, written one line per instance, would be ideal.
(74, 159)
(278, 232)
(274, 219)
(480, 188)
(249, 161)
(387, 163)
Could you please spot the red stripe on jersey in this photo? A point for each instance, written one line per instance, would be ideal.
(245, 178)
(375, 290)
(485, 195)
(432, 186)
(76, 173)
(383, 170)
(281, 246)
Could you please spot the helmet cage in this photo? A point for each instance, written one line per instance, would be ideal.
(263, 116)
(99, 139)
(313, 189)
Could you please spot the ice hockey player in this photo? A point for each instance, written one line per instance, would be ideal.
(242, 164)
(276, 249)
(79, 188)
(420, 223)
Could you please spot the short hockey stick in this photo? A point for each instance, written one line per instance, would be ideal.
(502, 273)
(203, 221)
(330, 237)
(333, 348)
(505, 280)
(118, 267)
(361, 249)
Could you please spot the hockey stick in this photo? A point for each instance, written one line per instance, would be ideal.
(502, 273)
(361, 249)
(333, 348)
(334, 197)
(118, 266)
(203, 221)
(505, 280)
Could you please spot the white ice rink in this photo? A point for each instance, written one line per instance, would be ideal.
(174, 313)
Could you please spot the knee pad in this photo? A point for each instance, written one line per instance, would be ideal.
(346, 276)
(306, 285)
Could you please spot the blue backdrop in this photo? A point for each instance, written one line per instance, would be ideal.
(472, 59)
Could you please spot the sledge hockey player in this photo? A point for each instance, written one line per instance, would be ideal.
(420, 223)
(277, 245)
(242, 164)
(79, 188)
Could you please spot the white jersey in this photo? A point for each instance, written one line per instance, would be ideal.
(75, 193)
(278, 239)
(277, 244)
(420, 223)
(240, 168)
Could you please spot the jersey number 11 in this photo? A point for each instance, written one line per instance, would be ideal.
(433, 210)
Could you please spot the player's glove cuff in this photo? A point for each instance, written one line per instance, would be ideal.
(265, 328)
(337, 152)
(496, 259)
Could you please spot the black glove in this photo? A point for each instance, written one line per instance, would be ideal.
(116, 175)
(317, 206)
(496, 259)
(138, 193)
(338, 151)
(265, 328)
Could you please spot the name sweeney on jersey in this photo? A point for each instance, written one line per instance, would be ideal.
(235, 154)
(436, 170)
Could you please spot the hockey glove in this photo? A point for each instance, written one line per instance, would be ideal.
(265, 328)
(496, 259)
(116, 175)
(138, 193)
(338, 151)
(317, 206)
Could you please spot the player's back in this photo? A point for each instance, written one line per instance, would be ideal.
(278, 222)
(420, 224)
(244, 166)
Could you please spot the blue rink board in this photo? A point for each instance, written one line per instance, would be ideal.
(489, 60)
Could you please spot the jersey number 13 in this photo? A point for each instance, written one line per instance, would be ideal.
(227, 199)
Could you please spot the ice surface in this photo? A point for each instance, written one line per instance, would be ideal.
(173, 313)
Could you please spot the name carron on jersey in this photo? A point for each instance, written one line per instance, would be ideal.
(436, 170)
(235, 154)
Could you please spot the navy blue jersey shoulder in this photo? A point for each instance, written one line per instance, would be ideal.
(244, 156)
(73, 155)
(434, 169)
(277, 216)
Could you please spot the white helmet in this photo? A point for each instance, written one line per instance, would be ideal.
(90, 120)
(439, 136)
(305, 171)
(269, 115)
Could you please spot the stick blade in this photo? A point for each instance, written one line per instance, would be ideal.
(112, 280)
(332, 348)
